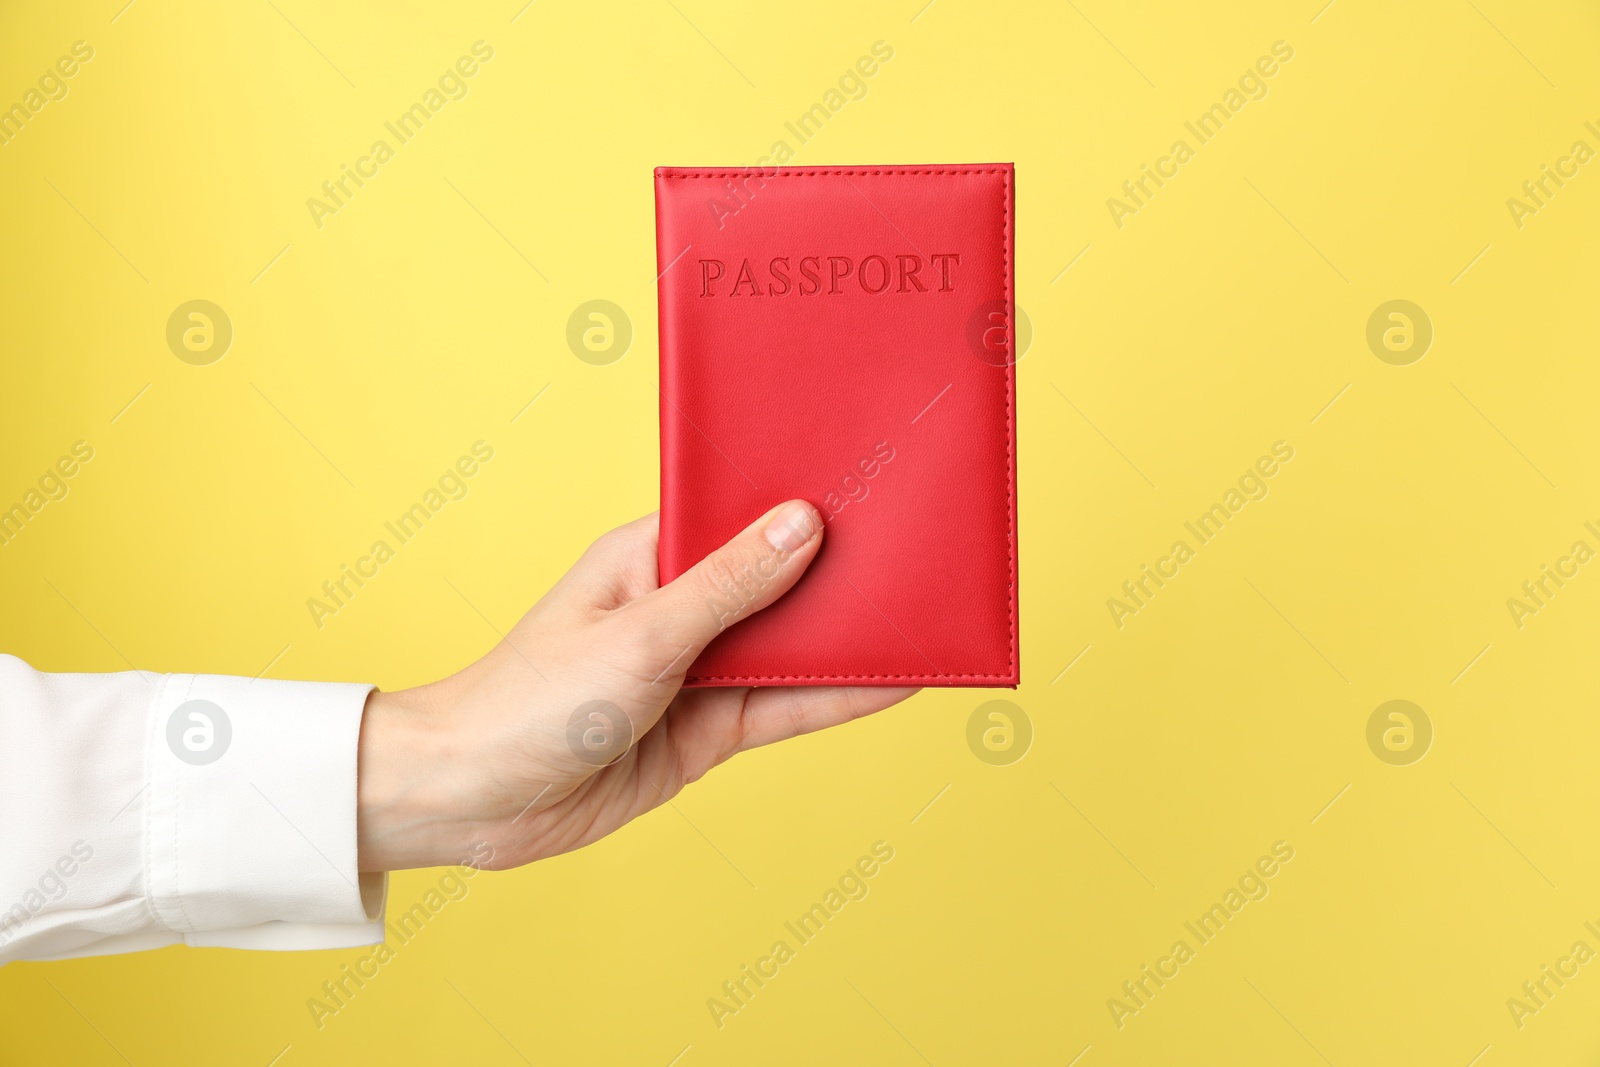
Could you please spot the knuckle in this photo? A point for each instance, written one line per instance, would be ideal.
(606, 542)
(724, 572)
(742, 568)
(794, 712)
(734, 580)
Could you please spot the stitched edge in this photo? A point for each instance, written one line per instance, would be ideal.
(1011, 378)
(147, 861)
(824, 173)
(1011, 433)
(841, 677)
(177, 826)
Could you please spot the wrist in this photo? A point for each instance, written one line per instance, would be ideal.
(403, 806)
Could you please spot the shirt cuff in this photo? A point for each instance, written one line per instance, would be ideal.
(250, 822)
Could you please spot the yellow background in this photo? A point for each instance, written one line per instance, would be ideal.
(1223, 317)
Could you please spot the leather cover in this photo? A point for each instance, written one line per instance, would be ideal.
(843, 334)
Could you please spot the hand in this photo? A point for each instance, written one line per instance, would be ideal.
(576, 722)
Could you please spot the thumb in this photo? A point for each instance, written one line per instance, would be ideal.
(755, 568)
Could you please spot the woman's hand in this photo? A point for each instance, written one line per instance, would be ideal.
(575, 723)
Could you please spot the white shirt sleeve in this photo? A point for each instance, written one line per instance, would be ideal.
(139, 810)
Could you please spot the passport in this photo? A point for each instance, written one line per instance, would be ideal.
(846, 335)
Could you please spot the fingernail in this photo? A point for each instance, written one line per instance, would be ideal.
(793, 527)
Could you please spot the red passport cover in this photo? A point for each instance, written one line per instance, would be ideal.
(844, 335)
